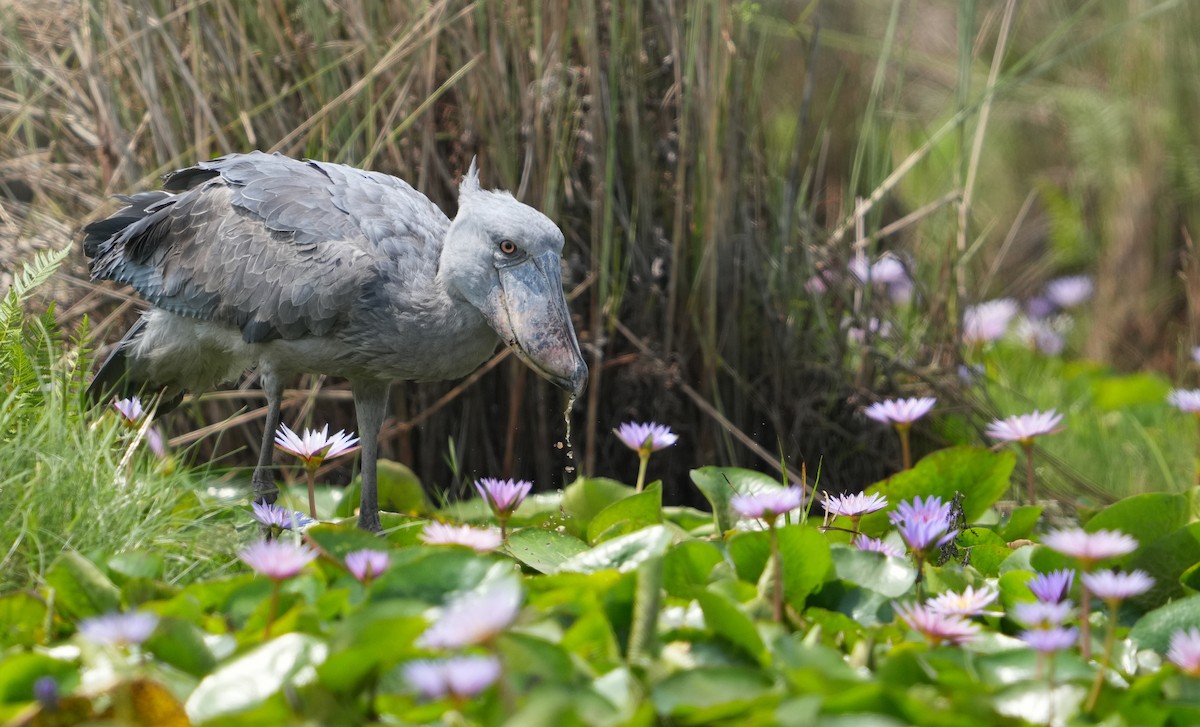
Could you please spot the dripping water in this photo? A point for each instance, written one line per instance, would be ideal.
(570, 469)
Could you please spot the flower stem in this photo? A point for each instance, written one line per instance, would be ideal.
(1110, 639)
(1197, 462)
(777, 560)
(1085, 624)
(503, 527)
(1029, 483)
(312, 495)
(273, 609)
(905, 450)
(641, 480)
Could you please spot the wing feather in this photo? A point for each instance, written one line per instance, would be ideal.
(277, 247)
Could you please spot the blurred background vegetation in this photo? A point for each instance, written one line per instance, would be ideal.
(714, 165)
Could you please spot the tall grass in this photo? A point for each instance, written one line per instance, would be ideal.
(704, 159)
(82, 480)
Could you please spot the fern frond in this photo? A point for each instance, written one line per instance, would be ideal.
(34, 273)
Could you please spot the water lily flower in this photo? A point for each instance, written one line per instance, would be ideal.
(314, 447)
(886, 270)
(131, 410)
(1112, 586)
(480, 540)
(875, 545)
(875, 327)
(900, 411)
(855, 505)
(1041, 614)
(1069, 291)
(277, 559)
(647, 438)
(923, 524)
(968, 603)
(45, 691)
(365, 565)
(1089, 548)
(475, 617)
(119, 629)
(1047, 640)
(504, 497)
(1045, 335)
(1052, 587)
(988, 321)
(937, 627)
(460, 677)
(767, 504)
(1039, 307)
(1185, 651)
(271, 515)
(930, 510)
(1185, 400)
(922, 535)
(1023, 428)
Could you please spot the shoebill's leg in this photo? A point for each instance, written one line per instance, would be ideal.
(263, 480)
(370, 403)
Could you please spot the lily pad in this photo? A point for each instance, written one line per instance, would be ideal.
(627, 515)
(543, 550)
(720, 484)
(624, 553)
(288, 661)
(981, 475)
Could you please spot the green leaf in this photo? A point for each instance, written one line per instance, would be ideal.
(431, 574)
(330, 500)
(688, 565)
(543, 550)
(19, 671)
(248, 680)
(584, 498)
(720, 484)
(688, 518)
(340, 540)
(1167, 559)
(81, 590)
(891, 577)
(627, 515)
(1020, 522)
(400, 491)
(1146, 517)
(181, 644)
(358, 648)
(623, 553)
(723, 617)
(1153, 631)
(136, 564)
(1120, 392)
(987, 558)
(749, 551)
(1190, 579)
(981, 475)
(807, 562)
(706, 695)
(536, 659)
(23, 616)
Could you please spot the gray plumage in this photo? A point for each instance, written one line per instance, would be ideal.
(302, 266)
